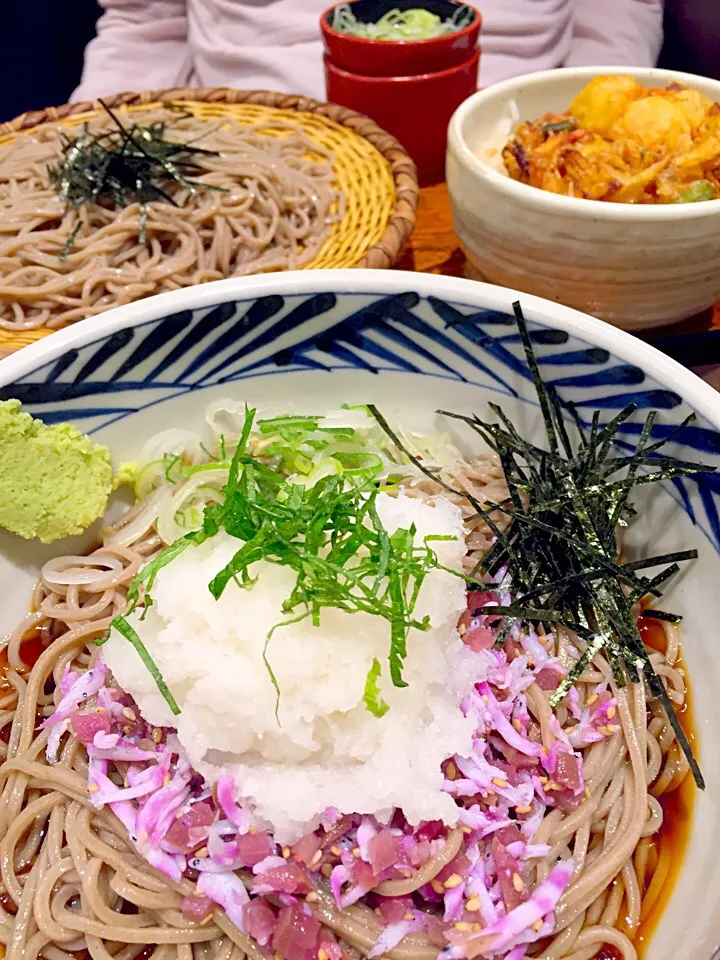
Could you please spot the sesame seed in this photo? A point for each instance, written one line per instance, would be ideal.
(463, 925)
(409, 916)
(129, 714)
(525, 809)
(356, 851)
(179, 815)
(612, 728)
(499, 782)
(611, 712)
(157, 735)
(591, 700)
(517, 725)
(316, 858)
(437, 887)
(312, 897)
(473, 905)
(466, 830)
(206, 920)
(93, 787)
(543, 780)
(476, 927)
(286, 852)
(322, 954)
(453, 881)
(143, 837)
(335, 851)
(166, 779)
(127, 729)
(588, 795)
(517, 882)
(537, 926)
(202, 853)
(451, 771)
(485, 698)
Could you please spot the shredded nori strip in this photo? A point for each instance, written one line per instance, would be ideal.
(133, 164)
(560, 546)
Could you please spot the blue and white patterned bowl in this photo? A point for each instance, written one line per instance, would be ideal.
(411, 343)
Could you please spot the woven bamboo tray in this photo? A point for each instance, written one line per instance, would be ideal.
(376, 175)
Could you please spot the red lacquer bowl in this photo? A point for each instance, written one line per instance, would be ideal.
(416, 110)
(399, 58)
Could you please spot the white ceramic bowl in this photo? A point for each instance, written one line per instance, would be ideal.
(412, 343)
(634, 266)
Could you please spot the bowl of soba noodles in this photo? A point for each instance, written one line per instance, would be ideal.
(394, 638)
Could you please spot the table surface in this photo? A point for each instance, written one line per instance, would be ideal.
(434, 248)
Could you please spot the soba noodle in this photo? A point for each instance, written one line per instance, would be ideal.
(274, 214)
(72, 881)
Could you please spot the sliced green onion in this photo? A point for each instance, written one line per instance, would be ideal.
(203, 467)
(276, 424)
(327, 467)
(148, 477)
(413, 24)
(355, 458)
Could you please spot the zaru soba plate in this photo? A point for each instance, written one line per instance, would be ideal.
(481, 857)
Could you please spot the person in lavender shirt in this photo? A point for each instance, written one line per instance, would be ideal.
(275, 44)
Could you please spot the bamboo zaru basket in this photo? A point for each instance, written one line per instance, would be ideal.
(373, 171)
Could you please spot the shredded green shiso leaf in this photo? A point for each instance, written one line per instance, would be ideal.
(415, 24)
(557, 550)
(133, 164)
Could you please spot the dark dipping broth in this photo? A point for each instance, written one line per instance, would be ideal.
(32, 647)
(671, 841)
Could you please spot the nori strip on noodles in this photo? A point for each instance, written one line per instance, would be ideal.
(560, 546)
(133, 164)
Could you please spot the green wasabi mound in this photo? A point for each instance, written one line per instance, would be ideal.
(54, 481)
